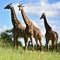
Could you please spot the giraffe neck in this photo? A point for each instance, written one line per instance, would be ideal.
(15, 21)
(47, 27)
(25, 18)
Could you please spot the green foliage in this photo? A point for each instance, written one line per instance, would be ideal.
(9, 31)
(5, 36)
(5, 40)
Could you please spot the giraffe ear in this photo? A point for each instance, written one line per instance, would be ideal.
(10, 4)
(22, 5)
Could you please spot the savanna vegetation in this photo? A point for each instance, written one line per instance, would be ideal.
(7, 52)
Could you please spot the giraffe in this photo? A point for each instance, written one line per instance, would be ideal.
(50, 34)
(31, 29)
(18, 30)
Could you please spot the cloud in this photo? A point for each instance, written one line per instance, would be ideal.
(2, 28)
(51, 10)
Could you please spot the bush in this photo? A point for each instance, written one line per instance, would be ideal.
(5, 40)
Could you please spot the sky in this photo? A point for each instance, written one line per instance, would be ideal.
(33, 9)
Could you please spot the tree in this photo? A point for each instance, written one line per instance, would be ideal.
(6, 39)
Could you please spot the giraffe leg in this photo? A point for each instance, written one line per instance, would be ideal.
(31, 37)
(16, 42)
(36, 43)
(56, 45)
(52, 46)
(47, 45)
(40, 44)
(17, 45)
(13, 44)
(47, 41)
(56, 41)
(26, 40)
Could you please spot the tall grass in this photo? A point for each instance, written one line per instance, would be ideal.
(10, 54)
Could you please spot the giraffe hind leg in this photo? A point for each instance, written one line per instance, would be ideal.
(40, 44)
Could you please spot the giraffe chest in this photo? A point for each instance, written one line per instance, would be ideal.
(50, 35)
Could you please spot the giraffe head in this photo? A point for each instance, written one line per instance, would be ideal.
(42, 16)
(8, 6)
(20, 6)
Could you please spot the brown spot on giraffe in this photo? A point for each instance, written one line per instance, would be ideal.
(50, 34)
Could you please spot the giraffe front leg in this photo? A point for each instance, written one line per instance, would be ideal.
(13, 44)
(17, 45)
(36, 44)
(40, 44)
(16, 42)
(26, 45)
(31, 38)
(47, 45)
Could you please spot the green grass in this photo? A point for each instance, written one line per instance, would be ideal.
(20, 54)
(7, 53)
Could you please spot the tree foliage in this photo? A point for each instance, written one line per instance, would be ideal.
(6, 39)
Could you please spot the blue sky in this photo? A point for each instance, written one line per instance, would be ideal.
(33, 9)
